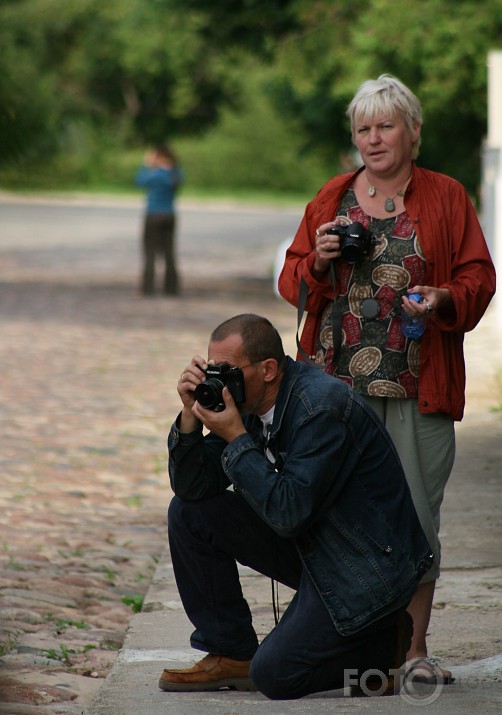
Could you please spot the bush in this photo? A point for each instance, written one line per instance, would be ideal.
(253, 149)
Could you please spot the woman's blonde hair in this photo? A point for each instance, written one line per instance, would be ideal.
(386, 96)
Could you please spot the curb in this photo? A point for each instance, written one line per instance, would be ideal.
(160, 633)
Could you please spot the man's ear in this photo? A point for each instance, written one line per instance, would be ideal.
(270, 369)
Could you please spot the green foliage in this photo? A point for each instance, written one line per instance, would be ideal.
(498, 392)
(64, 654)
(439, 48)
(135, 602)
(253, 92)
(8, 642)
(63, 623)
(109, 573)
(28, 108)
(254, 148)
(256, 25)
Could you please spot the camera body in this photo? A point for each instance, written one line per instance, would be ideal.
(209, 393)
(355, 241)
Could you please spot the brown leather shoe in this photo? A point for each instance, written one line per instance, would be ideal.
(213, 672)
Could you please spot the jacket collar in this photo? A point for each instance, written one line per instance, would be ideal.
(290, 376)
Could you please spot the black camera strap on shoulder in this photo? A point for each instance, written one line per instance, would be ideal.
(336, 319)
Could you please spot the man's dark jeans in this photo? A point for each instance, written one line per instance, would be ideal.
(304, 653)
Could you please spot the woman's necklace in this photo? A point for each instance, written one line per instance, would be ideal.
(389, 204)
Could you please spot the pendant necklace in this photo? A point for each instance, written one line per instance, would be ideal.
(389, 204)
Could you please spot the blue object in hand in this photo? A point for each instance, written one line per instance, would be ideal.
(412, 327)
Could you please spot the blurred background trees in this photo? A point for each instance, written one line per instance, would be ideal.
(252, 93)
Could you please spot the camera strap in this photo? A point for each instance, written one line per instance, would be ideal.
(336, 319)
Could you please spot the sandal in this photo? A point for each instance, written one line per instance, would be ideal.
(427, 670)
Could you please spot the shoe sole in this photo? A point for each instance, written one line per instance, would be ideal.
(431, 680)
(373, 689)
(435, 678)
(240, 684)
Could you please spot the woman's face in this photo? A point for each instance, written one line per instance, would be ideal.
(385, 143)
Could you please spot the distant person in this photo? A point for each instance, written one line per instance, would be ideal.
(415, 251)
(318, 501)
(161, 176)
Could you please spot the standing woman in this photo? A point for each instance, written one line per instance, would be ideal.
(426, 240)
(161, 176)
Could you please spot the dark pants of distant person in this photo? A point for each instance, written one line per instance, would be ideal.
(304, 653)
(158, 240)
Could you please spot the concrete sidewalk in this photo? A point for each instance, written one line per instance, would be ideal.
(465, 627)
(158, 637)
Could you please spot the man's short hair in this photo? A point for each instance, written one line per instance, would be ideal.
(260, 339)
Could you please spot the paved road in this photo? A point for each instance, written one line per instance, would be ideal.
(104, 239)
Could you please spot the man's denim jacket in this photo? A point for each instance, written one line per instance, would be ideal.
(337, 488)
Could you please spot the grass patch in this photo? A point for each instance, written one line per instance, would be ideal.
(498, 390)
(135, 602)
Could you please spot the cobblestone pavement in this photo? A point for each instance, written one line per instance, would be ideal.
(87, 392)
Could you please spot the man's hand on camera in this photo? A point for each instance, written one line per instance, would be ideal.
(191, 376)
(227, 424)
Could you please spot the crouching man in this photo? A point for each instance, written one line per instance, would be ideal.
(318, 502)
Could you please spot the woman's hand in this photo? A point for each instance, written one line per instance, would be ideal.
(327, 246)
(433, 299)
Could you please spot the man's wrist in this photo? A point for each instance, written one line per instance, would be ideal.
(234, 435)
(187, 422)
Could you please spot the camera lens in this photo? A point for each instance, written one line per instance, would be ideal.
(351, 252)
(208, 394)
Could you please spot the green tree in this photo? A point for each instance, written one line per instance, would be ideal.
(135, 69)
(78, 74)
(144, 66)
(255, 147)
(441, 52)
(254, 25)
(28, 103)
(437, 47)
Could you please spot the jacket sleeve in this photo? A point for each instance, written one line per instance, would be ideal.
(298, 264)
(472, 275)
(313, 473)
(143, 176)
(300, 256)
(195, 466)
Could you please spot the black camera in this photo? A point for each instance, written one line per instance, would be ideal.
(355, 241)
(209, 393)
